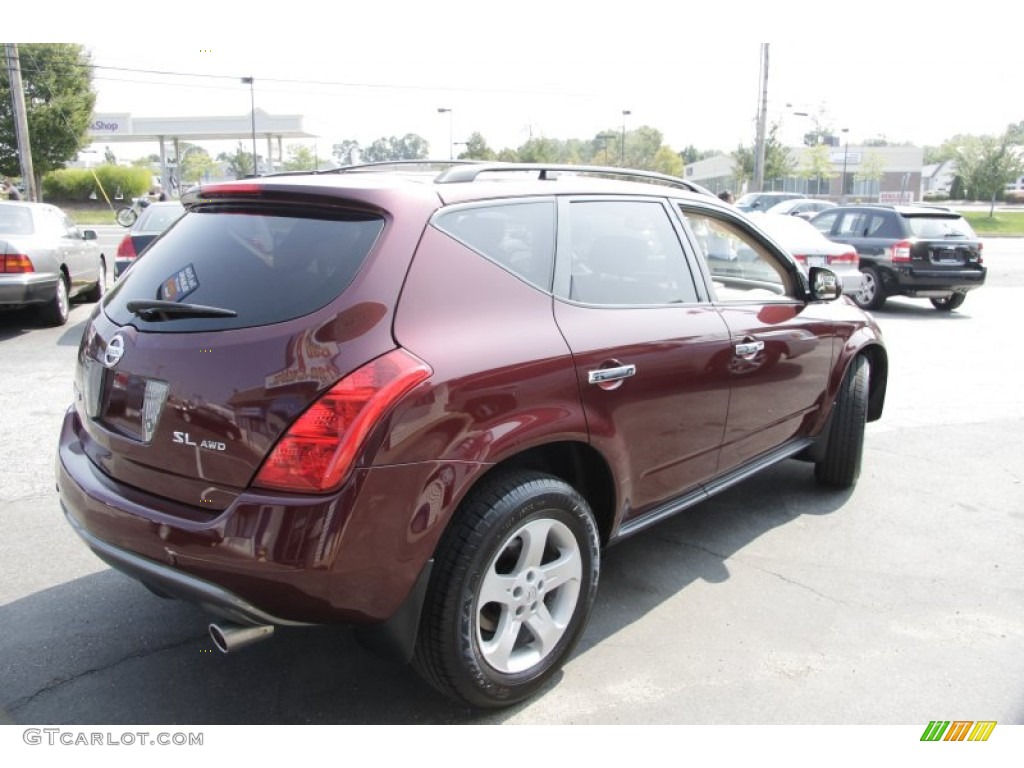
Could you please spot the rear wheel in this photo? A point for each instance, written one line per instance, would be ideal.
(511, 591)
(126, 216)
(56, 311)
(949, 303)
(845, 446)
(872, 293)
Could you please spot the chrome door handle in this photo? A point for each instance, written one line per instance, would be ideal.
(602, 375)
(749, 348)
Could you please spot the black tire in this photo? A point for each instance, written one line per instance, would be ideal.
(949, 303)
(95, 293)
(872, 291)
(56, 311)
(841, 465)
(491, 653)
(126, 216)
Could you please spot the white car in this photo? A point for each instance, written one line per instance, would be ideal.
(811, 248)
(45, 260)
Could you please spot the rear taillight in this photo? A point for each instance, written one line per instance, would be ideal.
(901, 252)
(980, 247)
(16, 262)
(800, 259)
(126, 250)
(849, 257)
(317, 452)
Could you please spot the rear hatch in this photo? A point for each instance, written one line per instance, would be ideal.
(241, 316)
(943, 243)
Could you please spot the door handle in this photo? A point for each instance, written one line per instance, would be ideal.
(604, 375)
(748, 348)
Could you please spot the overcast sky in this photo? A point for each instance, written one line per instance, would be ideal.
(557, 69)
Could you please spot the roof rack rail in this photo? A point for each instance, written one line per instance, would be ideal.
(390, 165)
(427, 166)
(470, 172)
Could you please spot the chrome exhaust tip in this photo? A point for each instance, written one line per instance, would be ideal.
(234, 637)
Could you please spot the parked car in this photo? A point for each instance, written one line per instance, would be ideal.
(805, 208)
(919, 251)
(762, 201)
(421, 405)
(810, 248)
(46, 260)
(152, 222)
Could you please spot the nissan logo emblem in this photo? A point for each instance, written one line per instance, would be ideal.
(114, 351)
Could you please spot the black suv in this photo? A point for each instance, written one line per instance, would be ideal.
(917, 251)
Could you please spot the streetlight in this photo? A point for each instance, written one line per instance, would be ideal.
(622, 143)
(846, 152)
(252, 103)
(604, 138)
(451, 134)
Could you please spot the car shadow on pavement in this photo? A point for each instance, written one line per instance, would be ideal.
(103, 650)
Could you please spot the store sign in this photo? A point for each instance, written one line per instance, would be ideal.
(111, 124)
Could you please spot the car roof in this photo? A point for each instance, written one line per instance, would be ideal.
(903, 210)
(467, 182)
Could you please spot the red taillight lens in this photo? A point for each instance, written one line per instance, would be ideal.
(849, 257)
(16, 262)
(229, 189)
(800, 259)
(126, 250)
(901, 252)
(317, 452)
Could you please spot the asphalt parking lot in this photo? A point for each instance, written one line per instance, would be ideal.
(777, 602)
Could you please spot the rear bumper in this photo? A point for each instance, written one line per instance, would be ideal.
(351, 557)
(914, 281)
(174, 583)
(29, 288)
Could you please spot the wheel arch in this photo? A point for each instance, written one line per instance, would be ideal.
(576, 463)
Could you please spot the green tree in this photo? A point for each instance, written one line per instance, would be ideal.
(59, 100)
(408, 147)
(871, 168)
(239, 162)
(300, 158)
(693, 155)
(477, 149)
(987, 163)
(195, 164)
(539, 150)
(346, 152)
(817, 164)
(778, 163)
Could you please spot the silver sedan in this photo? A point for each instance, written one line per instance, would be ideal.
(45, 260)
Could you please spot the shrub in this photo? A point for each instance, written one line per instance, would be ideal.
(76, 185)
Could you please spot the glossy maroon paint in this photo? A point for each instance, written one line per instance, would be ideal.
(509, 386)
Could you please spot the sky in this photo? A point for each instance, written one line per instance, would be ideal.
(556, 69)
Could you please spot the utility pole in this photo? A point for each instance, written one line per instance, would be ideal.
(21, 122)
(762, 118)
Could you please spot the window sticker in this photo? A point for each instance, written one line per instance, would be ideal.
(177, 287)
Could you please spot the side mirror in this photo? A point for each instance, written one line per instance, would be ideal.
(89, 234)
(825, 284)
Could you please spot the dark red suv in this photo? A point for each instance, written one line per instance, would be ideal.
(421, 404)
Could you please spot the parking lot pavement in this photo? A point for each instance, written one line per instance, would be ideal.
(776, 602)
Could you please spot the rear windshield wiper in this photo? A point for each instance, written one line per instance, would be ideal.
(169, 310)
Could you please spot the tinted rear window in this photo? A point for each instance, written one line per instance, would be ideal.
(156, 219)
(265, 265)
(936, 226)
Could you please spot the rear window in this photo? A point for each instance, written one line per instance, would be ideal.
(936, 226)
(267, 266)
(156, 219)
(15, 220)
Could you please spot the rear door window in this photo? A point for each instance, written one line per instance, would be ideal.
(518, 236)
(268, 266)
